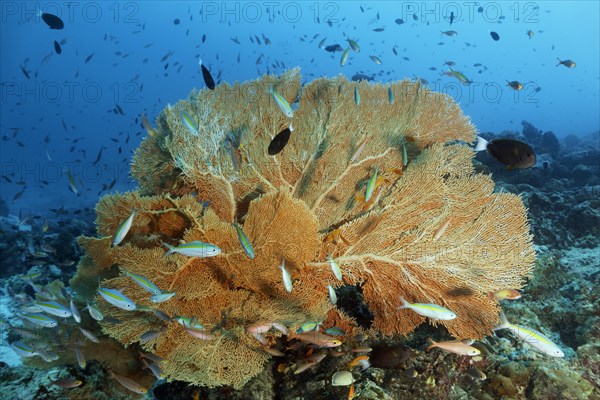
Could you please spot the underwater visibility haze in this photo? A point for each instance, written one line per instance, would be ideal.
(300, 200)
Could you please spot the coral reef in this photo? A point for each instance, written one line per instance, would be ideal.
(433, 229)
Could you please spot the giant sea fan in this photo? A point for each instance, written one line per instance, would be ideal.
(434, 231)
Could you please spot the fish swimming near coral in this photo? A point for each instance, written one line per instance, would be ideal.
(123, 229)
(432, 311)
(281, 102)
(143, 282)
(287, 279)
(510, 152)
(531, 337)
(455, 346)
(280, 140)
(244, 241)
(208, 79)
(117, 299)
(194, 249)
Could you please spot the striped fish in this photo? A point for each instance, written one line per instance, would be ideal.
(117, 299)
(189, 123)
(162, 296)
(53, 308)
(432, 311)
(283, 104)
(145, 283)
(95, 313)
(194, 249)
(390, 95)
(75, 312)
(344, 58)
(22, 349)
(41, 320)
(244, 241)
(190, 323)
(123, 229)
(531, 337)
(356, 96)
(371, 185)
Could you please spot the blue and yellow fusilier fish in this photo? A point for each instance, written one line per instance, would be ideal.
(53, 308)
(162, 296)
(194, 249)
(22, 349)
(75, 312)
(123, 229)
(145, 283)
(371, 185)
(432, 311)
(41, 320)
(117, 299)
(283, 104)
(190, 323)
(344, 58)
(244, 241)
(531, 337)
(95, 313)
(354, 45)
(356, 96)
(189, 123)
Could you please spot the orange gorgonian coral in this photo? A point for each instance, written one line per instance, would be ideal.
(432, 231)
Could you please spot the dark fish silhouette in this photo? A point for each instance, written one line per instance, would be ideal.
(53, 21)
(208, 79)
(495, 36)
(332, 48)
(362, 77)
(280, 141)
(510, 152)
(57, 47)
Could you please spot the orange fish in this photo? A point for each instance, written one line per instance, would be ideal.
(351, 392)
(505, 294)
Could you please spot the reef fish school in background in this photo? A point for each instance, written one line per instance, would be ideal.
(510, 152)
(53, 21)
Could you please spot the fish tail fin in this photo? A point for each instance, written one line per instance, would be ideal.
(405, 304)
(291, 127)
(481, 144)
(432, 344)
(505, 324)
(559, 62)
(199, 61)
(171, 249)
(271, 88)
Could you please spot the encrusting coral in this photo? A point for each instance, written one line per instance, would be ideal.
(433, 231)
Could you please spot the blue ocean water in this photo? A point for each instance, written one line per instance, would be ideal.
(141, 60)
(70, 122)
